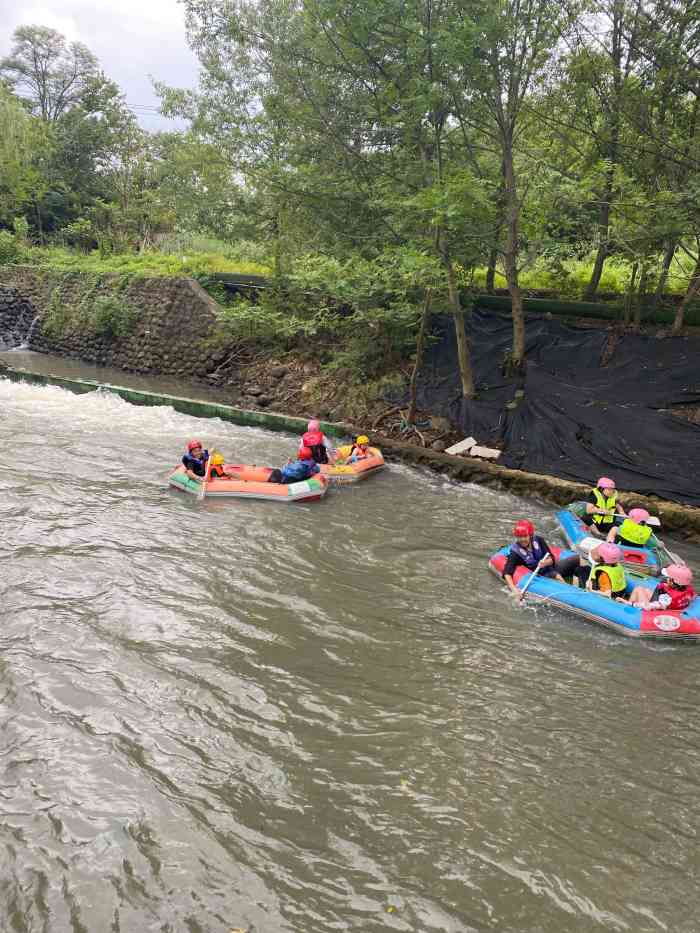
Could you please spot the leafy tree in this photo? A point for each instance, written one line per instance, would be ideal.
(52, 74)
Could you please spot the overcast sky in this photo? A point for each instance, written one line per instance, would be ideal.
(132, 39)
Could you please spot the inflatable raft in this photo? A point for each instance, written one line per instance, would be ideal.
(627, 620)
(253, 484)
(353, 472)
(645, 560)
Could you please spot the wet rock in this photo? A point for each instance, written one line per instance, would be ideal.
(254, 390)
(279, 372)
(263, 400)
(439, 445)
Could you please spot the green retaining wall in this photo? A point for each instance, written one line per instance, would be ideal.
(186, 406)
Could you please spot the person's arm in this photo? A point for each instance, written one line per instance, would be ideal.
(612, 534)
(619, 508)
(512, 562)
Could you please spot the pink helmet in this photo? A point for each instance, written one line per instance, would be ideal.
(610, 553)
(605, 483)
(313, 425)
(639, 515)
(679, 573)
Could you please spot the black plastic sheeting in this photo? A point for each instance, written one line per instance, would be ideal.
(577, 420)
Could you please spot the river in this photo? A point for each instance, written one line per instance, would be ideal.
(242, 716)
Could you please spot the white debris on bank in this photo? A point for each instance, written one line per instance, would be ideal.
(470, 447)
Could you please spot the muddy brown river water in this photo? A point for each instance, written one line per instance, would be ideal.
(312, 718)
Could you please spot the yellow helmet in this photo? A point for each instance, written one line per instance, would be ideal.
(362, 439)
(217, 459)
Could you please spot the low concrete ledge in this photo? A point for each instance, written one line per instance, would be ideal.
(199, 408)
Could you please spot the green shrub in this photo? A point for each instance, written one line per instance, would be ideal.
(109, 316)
(10, 249)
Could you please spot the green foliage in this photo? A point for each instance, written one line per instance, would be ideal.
(10, 248)
(141, 264)
(110, 316)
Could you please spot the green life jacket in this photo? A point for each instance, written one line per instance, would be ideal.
(634, 534)
(616, 573)
(604, 503)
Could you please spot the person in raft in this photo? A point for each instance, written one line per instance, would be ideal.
(601, 507)
(317, 442)
(217, 469)
(607, 574)
(294, 471)
(634, 531)
(194, 462)
(359, 450)
(674, 593)
(530, 549)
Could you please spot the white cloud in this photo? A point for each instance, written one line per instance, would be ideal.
(132, 39)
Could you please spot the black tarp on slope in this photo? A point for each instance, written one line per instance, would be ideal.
(577, 420)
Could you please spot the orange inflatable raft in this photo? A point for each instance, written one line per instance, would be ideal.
(253, 484)
(340, 472)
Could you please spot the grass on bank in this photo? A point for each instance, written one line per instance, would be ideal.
(142, 264)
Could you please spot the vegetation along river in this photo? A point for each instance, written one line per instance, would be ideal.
(312, 718)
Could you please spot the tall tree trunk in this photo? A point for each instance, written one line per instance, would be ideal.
(629, 297)
(604, 245)
(693, 289)
(491, 271)
(641, 292)
(511, 254)
(669, 253)
(463, 350)
(420, 348)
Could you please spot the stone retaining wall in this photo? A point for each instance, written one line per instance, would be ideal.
(173, 320)
(16, 318)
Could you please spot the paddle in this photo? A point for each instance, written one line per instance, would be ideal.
(534, 573)
(203, 487)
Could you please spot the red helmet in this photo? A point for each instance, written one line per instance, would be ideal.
(192, 444)
(305, 454)
(523, 529)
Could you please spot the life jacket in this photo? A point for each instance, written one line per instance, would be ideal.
(358, 453)
(198, 467)
(314, 441)
(297, 471)
(530, 556)
(216, 472)
(616, 573)
(680, 599)
(604, 503)
(630, 532)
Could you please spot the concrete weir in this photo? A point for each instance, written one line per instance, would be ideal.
(682, 520)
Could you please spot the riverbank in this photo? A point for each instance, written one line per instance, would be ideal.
(682, 521)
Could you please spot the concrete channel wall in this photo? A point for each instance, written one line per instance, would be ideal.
(678, 519)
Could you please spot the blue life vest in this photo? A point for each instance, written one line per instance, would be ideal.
(299, 470)
(197, 466)
(530, 557)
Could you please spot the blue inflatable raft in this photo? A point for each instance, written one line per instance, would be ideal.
(622, 618)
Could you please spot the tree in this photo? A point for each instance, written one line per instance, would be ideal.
(53, 75)
(518, 39)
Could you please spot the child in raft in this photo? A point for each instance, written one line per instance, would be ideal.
(675, 593)
(194, 462)
(217, 469)
(634, 530)
(607, 574)
(359, 450)
(316, 441)
(294, 471)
